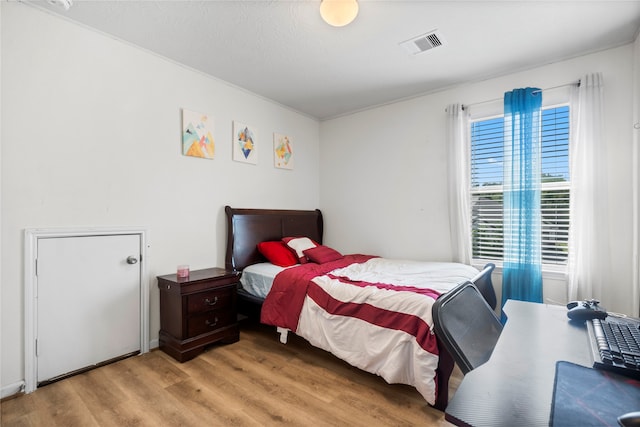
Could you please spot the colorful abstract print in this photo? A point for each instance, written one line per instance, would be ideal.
(197, 139)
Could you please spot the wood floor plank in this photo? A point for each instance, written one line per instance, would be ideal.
(155, 367)
(255, 382)
(141, 388)
(215, 408)
(96, 388)
(129, 413)
(260, 394)
(61, 405)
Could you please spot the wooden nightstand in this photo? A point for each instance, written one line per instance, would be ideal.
(197, 311)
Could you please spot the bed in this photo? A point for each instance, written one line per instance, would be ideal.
(335, 305)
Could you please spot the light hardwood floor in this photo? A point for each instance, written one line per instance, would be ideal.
(254, 382)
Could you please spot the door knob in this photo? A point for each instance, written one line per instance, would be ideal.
(131, 259)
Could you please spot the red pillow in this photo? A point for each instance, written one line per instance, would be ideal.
(321, 254)
(277, 253)
(298, 245)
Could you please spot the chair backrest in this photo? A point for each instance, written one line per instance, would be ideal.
(466, 326)
(485, 285)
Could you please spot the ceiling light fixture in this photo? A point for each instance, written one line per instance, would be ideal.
(338, 12)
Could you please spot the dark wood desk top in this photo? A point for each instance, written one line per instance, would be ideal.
(515, 387)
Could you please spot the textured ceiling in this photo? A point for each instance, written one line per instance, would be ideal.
(283, 51)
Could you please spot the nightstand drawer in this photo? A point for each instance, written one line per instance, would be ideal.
(211, 300)
(208, 322)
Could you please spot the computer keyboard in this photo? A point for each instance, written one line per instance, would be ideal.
(615, 343)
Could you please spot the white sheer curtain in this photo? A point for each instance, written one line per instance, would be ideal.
(589, 255)
(458, 159)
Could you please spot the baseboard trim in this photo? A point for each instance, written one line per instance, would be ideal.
(12, 389)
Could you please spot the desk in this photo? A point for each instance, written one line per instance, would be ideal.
(515, 387)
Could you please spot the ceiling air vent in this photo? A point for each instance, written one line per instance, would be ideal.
(425, 42)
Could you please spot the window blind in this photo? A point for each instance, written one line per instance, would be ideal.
(487, 144)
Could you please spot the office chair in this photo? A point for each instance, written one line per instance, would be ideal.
(466, 326)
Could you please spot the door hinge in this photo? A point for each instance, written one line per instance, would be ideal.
(36, 261)
(37, 352)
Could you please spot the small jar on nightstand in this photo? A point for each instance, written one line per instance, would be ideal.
(197, 310)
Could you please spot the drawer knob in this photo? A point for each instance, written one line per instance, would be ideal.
(210, 323)
(210, 302)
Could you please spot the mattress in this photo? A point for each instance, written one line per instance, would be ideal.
(257, 279)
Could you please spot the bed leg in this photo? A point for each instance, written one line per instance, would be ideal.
(443, 373)
(284, 333)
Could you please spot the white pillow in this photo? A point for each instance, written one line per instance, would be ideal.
(298, 245)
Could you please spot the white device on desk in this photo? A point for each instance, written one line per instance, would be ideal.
(585, 310)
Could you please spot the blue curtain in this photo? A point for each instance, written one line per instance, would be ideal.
(522, 271)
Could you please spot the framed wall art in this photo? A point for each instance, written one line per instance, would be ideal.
(244, 143)
(282, 151)
(197, 135)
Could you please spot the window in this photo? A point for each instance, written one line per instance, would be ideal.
(486, 186)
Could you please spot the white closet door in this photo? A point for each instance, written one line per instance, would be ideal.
(88, 301)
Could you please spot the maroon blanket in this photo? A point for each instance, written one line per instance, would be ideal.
(283, 294)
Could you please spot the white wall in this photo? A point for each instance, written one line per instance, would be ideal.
(91, 136)
(383, 171)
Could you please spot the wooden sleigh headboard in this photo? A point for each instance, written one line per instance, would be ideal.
(248, 227)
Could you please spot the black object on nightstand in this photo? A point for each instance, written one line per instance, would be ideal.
(196, 311)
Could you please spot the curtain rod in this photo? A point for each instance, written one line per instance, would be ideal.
(577, 83)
